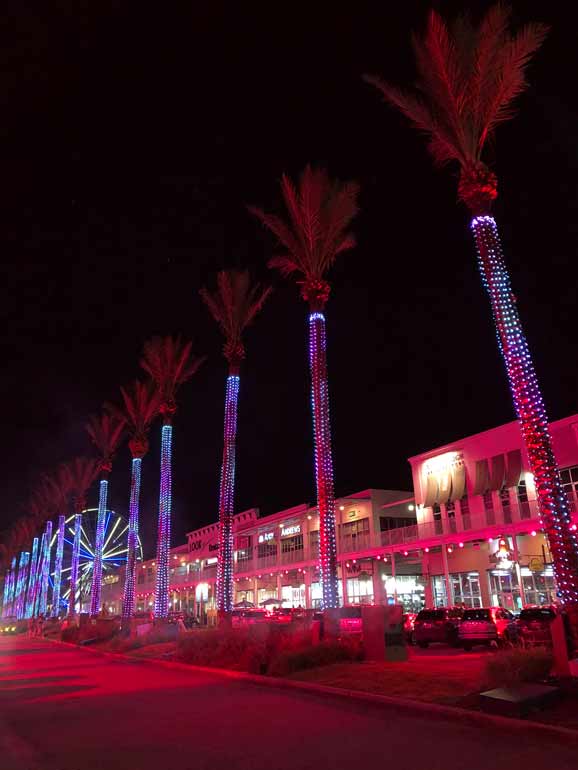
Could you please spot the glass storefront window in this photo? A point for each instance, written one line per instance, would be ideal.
(409, 590)
(539, 587)
(504, 590)
(466, 589)
(439, 591)
(293, 596)
(360, 590)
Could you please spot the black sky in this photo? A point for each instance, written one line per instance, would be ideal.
(131, 137)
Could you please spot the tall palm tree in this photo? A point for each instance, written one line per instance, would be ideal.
(58, 487)
(233, 305)
(468, 78)
(80, 473)
(141, 406)
(315, 232)
(9, 582)
(106, 432)
(170, 362)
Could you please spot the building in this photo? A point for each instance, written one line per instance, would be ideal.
(469, 534)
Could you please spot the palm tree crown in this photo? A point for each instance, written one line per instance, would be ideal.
(141, 405)
(80, 472)
(320, 211)
(106, 432)
(234, 305)
(170, 362)
(468, 78)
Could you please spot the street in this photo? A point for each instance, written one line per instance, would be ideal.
(73, 710)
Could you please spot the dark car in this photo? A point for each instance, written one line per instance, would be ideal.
(486, 625)
(533, 625)
(437, 625)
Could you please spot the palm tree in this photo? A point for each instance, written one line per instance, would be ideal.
(233, 305)
(80, 474)
(141, 406)
(315, 232)
(170, 362)
(468, 78)
(58, 487)
(106, 432)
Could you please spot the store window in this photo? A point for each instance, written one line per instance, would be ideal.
(395, 522)
(466, 589)
(355, 535)
(539, 587)
(314, 543)
(141, 577)
(360, 589)
(293, 596)
(505, 590)
(439, 591)
(292, 544)
(265, 550)
(409, 590)
(569, 478)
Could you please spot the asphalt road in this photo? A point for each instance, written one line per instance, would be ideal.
(68, 709)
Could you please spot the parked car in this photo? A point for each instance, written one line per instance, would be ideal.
(408, 626)
(437, 625)
(248, 617)
(486, 625)
(533, 625)
(8, 627)
(283, 615)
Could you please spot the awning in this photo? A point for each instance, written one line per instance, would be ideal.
(444, 485)
(498, 472)
(431, 491)
(482, 477)
(458, 481)
(514, 472)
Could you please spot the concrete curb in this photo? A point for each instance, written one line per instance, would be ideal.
(432, 710)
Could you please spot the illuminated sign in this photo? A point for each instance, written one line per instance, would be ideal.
(295, 529)
(214, 560)
(266, 536)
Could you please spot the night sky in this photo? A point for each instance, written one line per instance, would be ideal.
(132, 138)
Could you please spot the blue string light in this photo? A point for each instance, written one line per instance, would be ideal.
(98, 549)
(161, 601)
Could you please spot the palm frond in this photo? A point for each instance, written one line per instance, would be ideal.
(170, 362)
(106, 432)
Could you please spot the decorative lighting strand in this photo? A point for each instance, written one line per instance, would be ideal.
(161, 602)
(227, 498)
(32, 582)
(98, 549)
(74, 564)
(9, 590)
(323, 461)
(45, 570)
(530, 410)
(130, 577)
(58, 567)
(21, 585)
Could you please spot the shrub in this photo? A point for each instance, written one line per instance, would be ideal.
(508, 668)
(157, 635)
(261, 649)
(70, 634)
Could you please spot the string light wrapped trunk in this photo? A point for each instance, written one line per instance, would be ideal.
(58, 566)
(132, 544)
(161, 600)
(74, 564)
(33, 580)
(45, 570)
(96, 585)
(7, 607)
(21, 583)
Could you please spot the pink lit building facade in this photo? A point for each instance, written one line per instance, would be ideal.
(468, 534)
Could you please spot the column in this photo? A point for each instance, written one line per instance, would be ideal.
(425, 568)
(344, 582)
(256, 592)
(449, 593)
(307, 578)
(517, 569)
(378, 587)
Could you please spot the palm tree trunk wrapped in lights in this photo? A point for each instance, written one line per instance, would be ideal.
(21, 583)
(45, 570)
(141, 406)
(9, 590)
(469, 77)
(316, 231)
(106, 433)
(58, 566)
(233, 305)
(170, 362)
(33, 580)
(77, 475)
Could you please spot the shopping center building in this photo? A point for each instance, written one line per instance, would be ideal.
(468, 534)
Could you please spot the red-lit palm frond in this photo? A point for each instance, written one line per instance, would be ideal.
(468, 79)
(57, 488)
(18, 538)
(233, 305)
(141, 404)
(80, 473)
(106, 432)
(315, 231)
(170, 362)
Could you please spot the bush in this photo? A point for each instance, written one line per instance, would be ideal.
(70, 634)
(508, 668)
(261, 649)
(157, 635)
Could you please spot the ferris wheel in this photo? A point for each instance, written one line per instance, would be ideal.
(114, 552)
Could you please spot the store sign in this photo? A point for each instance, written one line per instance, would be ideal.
(503, 556)
(536, 564)
(295, 529)
(359, 568)
(265, 537)
(212, 561)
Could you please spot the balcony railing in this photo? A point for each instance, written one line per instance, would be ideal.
(291, 557)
